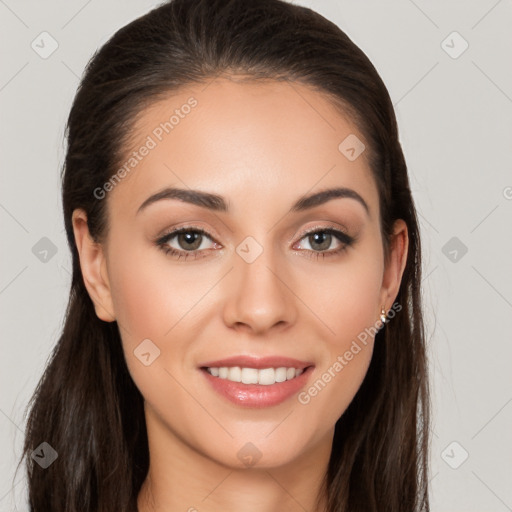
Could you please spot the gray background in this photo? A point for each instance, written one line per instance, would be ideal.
(454, 116)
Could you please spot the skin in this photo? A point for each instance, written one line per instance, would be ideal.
(262, 146)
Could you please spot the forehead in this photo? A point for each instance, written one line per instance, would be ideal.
(276, 140)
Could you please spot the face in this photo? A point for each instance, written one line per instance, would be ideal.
(259, 284)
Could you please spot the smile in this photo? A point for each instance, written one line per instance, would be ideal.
(265, 376)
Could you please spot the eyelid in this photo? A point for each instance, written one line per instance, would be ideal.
(207, 231)
(173, 232)
(321, 227)
(335, 228)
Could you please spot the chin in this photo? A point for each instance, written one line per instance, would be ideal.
(256, 452)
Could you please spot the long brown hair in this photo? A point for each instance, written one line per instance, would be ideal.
(86, 406)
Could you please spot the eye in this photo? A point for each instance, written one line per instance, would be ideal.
(320, 239)
(189, 240)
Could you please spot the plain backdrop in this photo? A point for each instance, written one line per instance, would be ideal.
(447, 66)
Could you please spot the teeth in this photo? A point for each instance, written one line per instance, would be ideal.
(249, 375)
(235, 374)
(265, 376)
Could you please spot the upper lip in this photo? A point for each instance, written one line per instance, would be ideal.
(258, 362)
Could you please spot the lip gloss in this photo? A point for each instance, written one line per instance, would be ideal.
(257, 395)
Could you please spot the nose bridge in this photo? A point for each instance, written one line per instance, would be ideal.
(260, 296)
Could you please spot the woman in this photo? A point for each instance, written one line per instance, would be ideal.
(244, 329)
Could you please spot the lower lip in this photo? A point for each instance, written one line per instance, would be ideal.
(258, 395)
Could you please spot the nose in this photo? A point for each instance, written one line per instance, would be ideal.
(259, 296)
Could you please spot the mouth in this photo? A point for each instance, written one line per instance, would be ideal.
(264, 377)
(257, 382)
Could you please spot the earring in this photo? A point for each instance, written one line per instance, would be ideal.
(383, 318)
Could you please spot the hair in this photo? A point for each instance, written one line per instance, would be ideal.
(86, 405)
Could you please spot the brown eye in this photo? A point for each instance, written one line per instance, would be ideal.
(320, 240)
(189, 241)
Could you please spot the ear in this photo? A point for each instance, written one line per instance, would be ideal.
(94, 267)
(394, 270)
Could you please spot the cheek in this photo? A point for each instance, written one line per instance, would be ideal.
(149, 294)
(153, 301)
(137, 296)
(347, 305)
(349, 311)
(348, 301)
(334, 387)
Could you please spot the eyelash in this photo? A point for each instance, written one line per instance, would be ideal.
(342, 237)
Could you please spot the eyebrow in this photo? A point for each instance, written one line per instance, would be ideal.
(219, 204)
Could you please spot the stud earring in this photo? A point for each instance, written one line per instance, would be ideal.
(383, 318)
